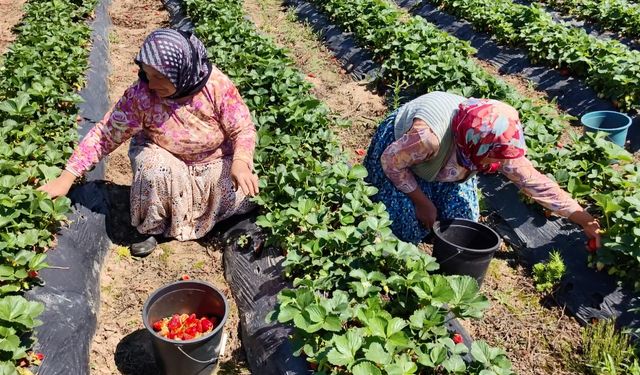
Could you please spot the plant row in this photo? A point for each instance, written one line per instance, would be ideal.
(363, 302)
(39, 77)
(415, 51)
(619, 16)
(608, 66)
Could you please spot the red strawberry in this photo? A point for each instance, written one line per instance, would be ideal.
(174, 323)
(457, 338)
(191, 331)
(592, 246)
(191, 319)
(33, 274)
(171, 335)
(207, 325)
(40, 356)
(185, 277)
(199, 326)
(186, 336)
(157, 326)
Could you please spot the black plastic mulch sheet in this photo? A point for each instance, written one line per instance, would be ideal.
(586, 293)
(70, 291)
(254, 274)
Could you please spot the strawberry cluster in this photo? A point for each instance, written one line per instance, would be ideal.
(184, 327)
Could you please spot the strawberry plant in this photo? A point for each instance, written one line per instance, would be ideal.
(362, 302)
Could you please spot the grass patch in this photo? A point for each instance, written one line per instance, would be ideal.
(167, 251)
(607, 351)
(123, 252)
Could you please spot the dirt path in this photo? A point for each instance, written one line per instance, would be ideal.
(126, 281)
(539, 339)
(348, 99)
(11, 15)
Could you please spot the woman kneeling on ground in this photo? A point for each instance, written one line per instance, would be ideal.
(424, 157)
(192, 143)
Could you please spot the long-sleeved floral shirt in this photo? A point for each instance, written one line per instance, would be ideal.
(212, 124)
(420, 144)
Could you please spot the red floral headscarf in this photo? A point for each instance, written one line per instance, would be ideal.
(487, 128)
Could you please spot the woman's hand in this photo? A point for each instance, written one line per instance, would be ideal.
(243, 177)
(589, 224)
(426, 211)
(60, 186)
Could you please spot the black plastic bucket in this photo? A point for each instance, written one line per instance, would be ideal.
(464, 247)
(193, 357)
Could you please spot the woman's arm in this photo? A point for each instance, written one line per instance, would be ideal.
(548, 194)
(416, 146)
(238, 125)
(118, 125)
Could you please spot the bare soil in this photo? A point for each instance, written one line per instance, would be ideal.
(537, 335)
(121, 345)
(346, 98)
(11, 14)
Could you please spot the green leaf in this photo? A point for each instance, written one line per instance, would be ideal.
(454, 364)
(16, 309)
(49, 173)
(467, 300)
(481, 352)
(316, 313)
(345, 349)
(358, 172)
(8, 368)
(365, 368)
(333, 324)
(377, 354)
(46, 205)
(402, 366)
(287, 313)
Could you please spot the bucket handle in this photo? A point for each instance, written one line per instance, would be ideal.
(212, 360)
(451, 257)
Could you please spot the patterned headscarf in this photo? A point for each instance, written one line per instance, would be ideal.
(179, 56)
(487, 128)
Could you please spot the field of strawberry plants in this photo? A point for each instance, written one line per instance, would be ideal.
(620, 16)
(363, 302)
(608, 66)
(583, 166)
(39, 78)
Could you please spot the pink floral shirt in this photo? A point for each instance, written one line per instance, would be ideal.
(420, 144)
(214, 123)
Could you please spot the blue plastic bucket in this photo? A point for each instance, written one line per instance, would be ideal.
(614, 123)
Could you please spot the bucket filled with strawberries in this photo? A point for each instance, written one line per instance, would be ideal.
(185, 320)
